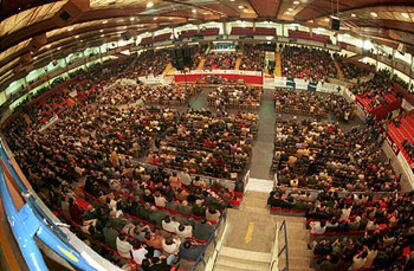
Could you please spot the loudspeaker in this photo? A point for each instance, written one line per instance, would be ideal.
(335, 24)
(401, 48)
(125, 36)
(70, 11)
(181, 58)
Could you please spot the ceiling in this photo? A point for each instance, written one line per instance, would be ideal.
(391, 21)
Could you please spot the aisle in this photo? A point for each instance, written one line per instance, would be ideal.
(263, 146)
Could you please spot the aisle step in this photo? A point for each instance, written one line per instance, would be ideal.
(278, 65)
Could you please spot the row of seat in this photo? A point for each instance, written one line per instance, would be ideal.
(404, 132)
(260, 31)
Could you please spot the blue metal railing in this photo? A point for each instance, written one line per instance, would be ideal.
(30, 222)
(285, 248)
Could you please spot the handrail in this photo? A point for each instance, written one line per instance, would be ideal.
(31, 221)
(284, 249)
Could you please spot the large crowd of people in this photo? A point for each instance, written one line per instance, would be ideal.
(235, 96)
(313, 65)
(349, 69)
(220, 61)
(220, 145)
(320, 155)
(311, 103)
(253, 58)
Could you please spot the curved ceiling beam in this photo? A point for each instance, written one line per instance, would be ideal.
(322, 8)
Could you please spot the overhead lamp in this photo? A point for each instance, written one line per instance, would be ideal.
(287, 12)
(103, 35)
(296, 2)
(405, 15)
(150, 4)
(155, 18)
(105, 22)
(101, 30)
(241, 7)
(194, 10)
(290, 9)
(132, 19)
(232, 0)
(70, 28)
(245, 10)
(59, 48)
(374, 14)
(353, 15)
(77, 36)
(205, 13)
(170, 18)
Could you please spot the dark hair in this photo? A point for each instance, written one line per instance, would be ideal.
(187, 244)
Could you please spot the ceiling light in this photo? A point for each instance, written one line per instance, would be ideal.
(101, 30)
(232, 0)
(59, 48)
(290, 9)
(81, 40)
(70, 28)
(194, 10)
(296, 2)
(245, 10)
(205, 13)
(405, 15)
(287, 12)
(150, 4)
(132, 19)
(77, 36)
(353, 15)
(48, 46)
(326, 19)
(373, 14)
(105, 21)
(155, 18)
(170, 18)
(241, 7)
(102, 35)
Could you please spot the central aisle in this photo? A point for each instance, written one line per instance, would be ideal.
(263, 146)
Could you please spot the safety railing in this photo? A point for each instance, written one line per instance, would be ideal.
(30, 223)
(280, 254)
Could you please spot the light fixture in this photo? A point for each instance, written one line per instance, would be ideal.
(326, 19)
(170, 18)
(150, 4)
(290, 9)
(103, 35)
(70, 28)
(105, 22)
(405, 15)
(245, 10)
(287, 12)
(155, 18)
(59, 48)
(353, 15)
(374, 14)
(101, 30)
(232, 0)
(48, 46)
(81, 40)
(241, 7)
(194, 10)
(77, 36)
(296, 2)
(205, 13)
(132, 19)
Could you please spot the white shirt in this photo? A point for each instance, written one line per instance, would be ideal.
(170, 227)
(186, 233)
(139, 255)
(124, 248)
(160, 201)
(173, 248)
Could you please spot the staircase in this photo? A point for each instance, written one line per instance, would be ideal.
(231, 259)
(168, 69)
(298, 237)
(339, 70)
(278, 65)
(201, 63)
(238, 62)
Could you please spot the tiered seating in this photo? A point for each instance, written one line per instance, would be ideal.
(214, 31)
(159, 38)
(253, 58)
(236, 30)
(401, 132)
(188, 33)
(220, 61)
(297, 34)
(310, 64)
(259, 31)
(349, 69)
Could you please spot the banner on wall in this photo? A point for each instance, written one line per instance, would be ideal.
(301, 84)
(280, 82)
